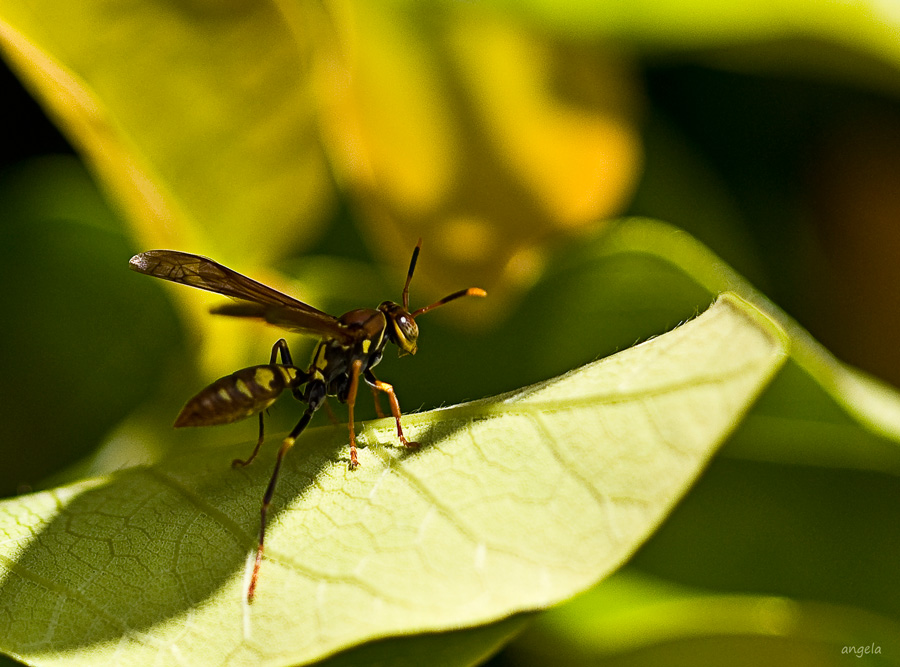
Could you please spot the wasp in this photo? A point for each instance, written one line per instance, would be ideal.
(350, 347)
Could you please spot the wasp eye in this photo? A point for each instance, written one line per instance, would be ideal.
(408, 327)
(402, 328)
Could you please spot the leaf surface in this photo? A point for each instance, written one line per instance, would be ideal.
(510, 505)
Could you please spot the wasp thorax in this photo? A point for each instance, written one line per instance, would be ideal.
(402, 328)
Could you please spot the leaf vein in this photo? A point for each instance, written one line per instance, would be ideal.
(283, 559)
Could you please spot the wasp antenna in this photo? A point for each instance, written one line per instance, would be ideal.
(409, 274)
(472, 291)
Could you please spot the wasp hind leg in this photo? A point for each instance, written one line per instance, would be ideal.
(240, 463)
(280, 347)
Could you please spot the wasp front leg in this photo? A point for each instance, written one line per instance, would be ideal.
(355, 369)
(395, 405)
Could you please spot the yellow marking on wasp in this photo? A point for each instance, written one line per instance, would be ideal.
(399, 332)
(366, 344)
(242, 387)
(320, 361)
(264, 377)
(224, 395)
(289, 374)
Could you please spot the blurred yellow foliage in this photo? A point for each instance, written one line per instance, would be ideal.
(480, 136)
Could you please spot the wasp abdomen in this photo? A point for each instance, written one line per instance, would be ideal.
(238, 396)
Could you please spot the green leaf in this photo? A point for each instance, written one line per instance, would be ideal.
(633, 619)
(818, 411)
(511, 504)
(798, 502)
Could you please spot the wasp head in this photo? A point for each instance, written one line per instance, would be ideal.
(402, 329)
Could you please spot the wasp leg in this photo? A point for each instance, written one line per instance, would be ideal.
(240, 463)
(377, 398)
(395, 405)
(355, 369)
(281, 347)
(331, 416)
(270, 491)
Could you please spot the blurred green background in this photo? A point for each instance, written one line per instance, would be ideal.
(311, 145)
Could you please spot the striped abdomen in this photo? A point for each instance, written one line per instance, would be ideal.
(239, 395)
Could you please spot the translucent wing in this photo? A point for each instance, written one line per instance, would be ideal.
(292, 319)
(260, 301)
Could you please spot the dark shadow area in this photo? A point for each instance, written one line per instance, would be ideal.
(31, 132)
(798, 531)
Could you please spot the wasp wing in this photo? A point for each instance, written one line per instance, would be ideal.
(291, 319)
(257, 300)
